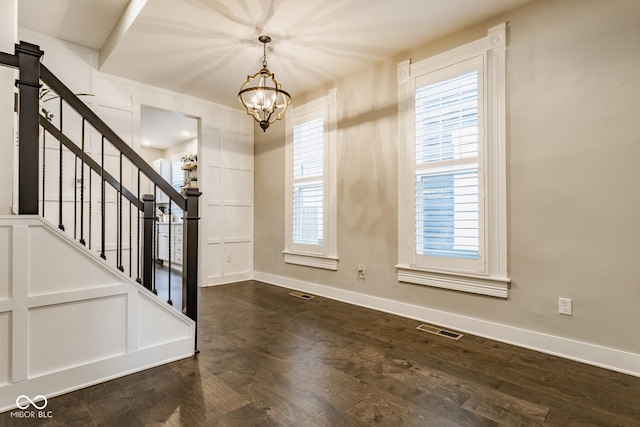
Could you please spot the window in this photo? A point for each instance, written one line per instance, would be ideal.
(310, 211)
(308, 182)
(177, 174)
(452, 196)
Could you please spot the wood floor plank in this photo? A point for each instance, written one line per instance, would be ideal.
(269, 359)
(507, 411)
(563, 412)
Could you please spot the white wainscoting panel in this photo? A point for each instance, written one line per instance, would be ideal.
(227, 247)
(213, 223)
(237, 221)
(5, 346)
(70, 319)
(212, 262)
(52, 275)
(237, 150)
(100, 334)
(158, 326)
(237, 257)
(238, 185)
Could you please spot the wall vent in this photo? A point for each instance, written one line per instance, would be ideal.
(301, 295)
(439, 331)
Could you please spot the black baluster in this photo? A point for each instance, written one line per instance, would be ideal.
(119, 223)
(156, 236)
(75, 197)
(130, 240)
(82, 189)
(147, 241)
(170, 254)
(44, 143)
(138, 279)
(90, 204)
(103, 254)
(60, 224)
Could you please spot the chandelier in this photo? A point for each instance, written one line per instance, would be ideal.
(262, 95)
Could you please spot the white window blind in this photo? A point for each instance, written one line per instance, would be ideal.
(308, 183)
(447, 173)
(177, 174)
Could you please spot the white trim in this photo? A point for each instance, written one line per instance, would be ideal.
(227, 278)
(491, 276)
(327, 263)
(78, 377)
(43, 300)
(310, 255)
(491, 286)
(6, 305)
(592, 354)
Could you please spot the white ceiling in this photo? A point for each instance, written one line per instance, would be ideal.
(206, 48)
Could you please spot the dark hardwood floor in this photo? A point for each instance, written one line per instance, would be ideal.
(268, 358)
(169, 285)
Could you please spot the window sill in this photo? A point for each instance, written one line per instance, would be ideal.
(483, 285)
(316, 261)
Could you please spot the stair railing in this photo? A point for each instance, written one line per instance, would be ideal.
(136, 213)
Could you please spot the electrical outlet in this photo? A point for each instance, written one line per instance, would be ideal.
(228, 257)
(565, 306)
(361, 271)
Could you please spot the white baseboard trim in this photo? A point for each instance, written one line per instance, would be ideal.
(592, 354)
(229, 278)
(75, 378)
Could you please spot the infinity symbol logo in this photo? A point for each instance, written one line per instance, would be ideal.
(31, 402)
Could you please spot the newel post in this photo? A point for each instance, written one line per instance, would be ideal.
(148, 225)
(28, 124)
(190, 256)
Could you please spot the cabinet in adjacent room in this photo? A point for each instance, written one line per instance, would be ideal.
(170, 243)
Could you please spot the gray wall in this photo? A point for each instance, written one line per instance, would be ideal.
(573, 125)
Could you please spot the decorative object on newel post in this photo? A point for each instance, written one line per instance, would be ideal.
(262, 95)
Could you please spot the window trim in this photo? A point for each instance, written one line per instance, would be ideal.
(323, 256)
(492, 279)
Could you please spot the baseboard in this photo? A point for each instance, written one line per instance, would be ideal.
(229, 278)
(604, 357)
(78, 377)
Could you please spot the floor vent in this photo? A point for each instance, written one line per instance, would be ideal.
(301, 295)
(438, 331)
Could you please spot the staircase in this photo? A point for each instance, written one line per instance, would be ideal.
(81, 302)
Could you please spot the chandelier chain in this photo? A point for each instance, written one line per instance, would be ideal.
(264, 55)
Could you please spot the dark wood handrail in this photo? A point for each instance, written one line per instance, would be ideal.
(74, 102)
(9, 59)
(108, 178)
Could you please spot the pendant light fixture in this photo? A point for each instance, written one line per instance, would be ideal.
(262, 95)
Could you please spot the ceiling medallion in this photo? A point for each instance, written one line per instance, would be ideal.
(262, 95)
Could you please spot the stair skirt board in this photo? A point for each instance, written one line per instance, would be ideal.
(69, 320)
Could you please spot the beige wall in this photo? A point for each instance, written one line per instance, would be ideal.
(573, 123)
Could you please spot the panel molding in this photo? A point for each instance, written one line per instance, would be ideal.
(101, 284)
